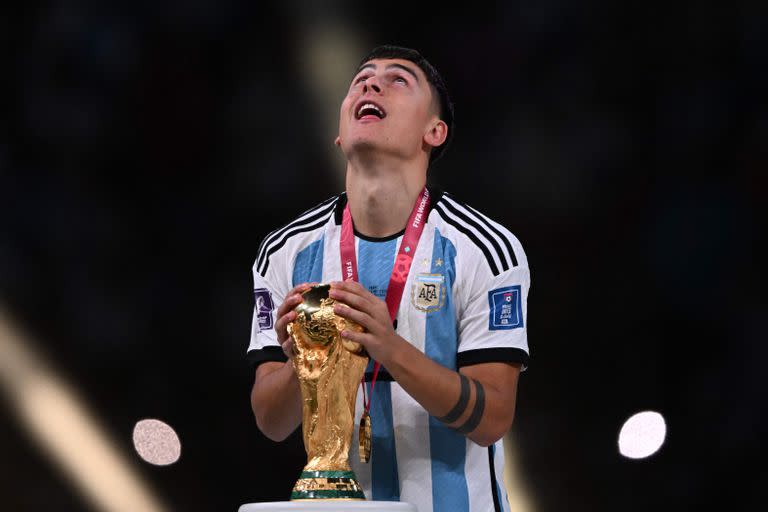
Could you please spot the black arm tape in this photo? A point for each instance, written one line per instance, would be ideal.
(477, 413)
(461, 405)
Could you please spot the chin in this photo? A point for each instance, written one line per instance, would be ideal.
(362, 145)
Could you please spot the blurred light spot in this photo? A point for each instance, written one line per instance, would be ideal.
(156, 442)
(642, 435)
(329, 57)
(66, 429)
(518, 493)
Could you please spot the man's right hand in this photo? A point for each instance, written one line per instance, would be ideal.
(286, 315)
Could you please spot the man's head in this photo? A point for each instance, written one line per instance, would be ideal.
(397, 103)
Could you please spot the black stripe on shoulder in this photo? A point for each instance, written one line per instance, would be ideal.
(481, 229)
(338, 212)
(315, 220)
(302, 219)
(485, 220)
(464, 229)
(269, 238)
(288, 235)
(436, 193)
(268, 353)
(492, 355)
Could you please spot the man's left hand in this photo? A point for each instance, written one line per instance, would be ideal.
(364, 308)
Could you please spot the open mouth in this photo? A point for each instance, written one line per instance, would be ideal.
(369, 110)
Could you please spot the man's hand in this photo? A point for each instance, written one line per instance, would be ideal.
(286, 315)
(364, 308)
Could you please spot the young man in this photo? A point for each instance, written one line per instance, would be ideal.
(450, 361)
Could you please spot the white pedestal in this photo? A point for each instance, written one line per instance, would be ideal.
(328, 506)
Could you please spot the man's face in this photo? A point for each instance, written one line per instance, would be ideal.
(388, 108)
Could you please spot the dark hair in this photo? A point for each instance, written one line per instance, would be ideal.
(433, 77)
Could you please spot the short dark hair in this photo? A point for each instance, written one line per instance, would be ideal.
(433, 77)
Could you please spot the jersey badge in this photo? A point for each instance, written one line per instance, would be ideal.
(264, 307)
(428, 292)
(506, 308)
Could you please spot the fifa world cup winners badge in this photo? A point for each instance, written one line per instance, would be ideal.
(329, 369)
(505, 305)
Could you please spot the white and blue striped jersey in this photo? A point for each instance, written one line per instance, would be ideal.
(465, 302)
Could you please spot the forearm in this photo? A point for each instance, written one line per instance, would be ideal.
(484, 417)
(276, 400)
(434, 386)
(478, 402)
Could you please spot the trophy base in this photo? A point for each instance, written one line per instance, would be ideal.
(327, 485)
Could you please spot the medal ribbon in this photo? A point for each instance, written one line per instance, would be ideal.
(400, 269)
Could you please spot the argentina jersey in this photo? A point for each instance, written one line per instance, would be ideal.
(464, 303)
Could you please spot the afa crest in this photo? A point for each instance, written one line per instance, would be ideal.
(428, 292)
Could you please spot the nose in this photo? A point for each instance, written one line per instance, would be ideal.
(371, 83)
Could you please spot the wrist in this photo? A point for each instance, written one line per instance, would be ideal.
(397, 355)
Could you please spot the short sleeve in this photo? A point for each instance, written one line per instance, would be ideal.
(493, 323)
(267, 297)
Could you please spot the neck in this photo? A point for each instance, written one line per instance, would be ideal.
(381, 199)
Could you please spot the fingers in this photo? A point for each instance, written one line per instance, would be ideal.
(358, 337)
(282, 326)
(352, 287)
(288, 348)
(285, 313)
(293, 298)
(356, 303)
(290, 302)
(353, 300)
(356, 316)
(355, 295)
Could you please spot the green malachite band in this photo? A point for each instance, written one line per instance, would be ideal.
(315, 485)
(328, 494)
(327, 474)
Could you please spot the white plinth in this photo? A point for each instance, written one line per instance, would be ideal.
(328, 506)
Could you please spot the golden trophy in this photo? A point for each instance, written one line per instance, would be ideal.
(329, 369)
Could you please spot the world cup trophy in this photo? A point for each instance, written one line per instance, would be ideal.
(329, 369)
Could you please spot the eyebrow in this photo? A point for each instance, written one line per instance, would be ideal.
(390, 66)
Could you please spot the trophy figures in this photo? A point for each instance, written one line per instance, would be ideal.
(329, 369)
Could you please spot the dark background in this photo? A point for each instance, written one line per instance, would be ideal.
(147, 147)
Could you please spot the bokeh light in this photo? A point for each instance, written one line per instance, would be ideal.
(156, 442)
(642, 435)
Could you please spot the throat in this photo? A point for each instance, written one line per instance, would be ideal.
(378, 219)
(380, 214)
(381, 199)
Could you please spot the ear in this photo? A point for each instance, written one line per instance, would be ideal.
(437, 133)
(337, 141)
